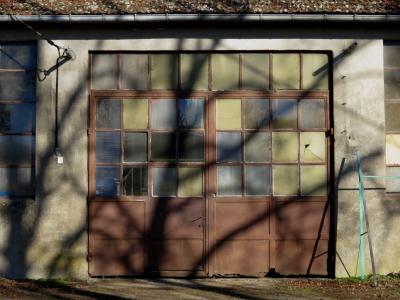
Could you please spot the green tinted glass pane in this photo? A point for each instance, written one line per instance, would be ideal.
(104, 71)
(393, 148)
(285, 180)
(190, 182)
(135, 113)
(284, 113)
(229, 180)
(191, 113)
(191, 146)
(312, 114)
(163, 146)
(229, 114)
(392, 84)
(313, 180)
(163, 114)
(255, 71)
(392, 116)
(135, 181)
(312, 147)
(164, 182)
(393, 185)
(225, 71)
(135, 147)
(164, 71)
(257, 180)
(391, 55)
(284, 146)
(256, 113)
(194, 71)
(134, 71)
(108, 113)
(285, 71)
(315, 71)
(256, 146)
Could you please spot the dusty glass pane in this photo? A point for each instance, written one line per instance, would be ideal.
(255, 71)
(313, 180)
(312, 147)
(15, 118)
(135, 147)
(191, 146)
(312, 114)
(104, 71)
(256, 146)
(229, 146)
(256, 113)
(17, 182)
(16, 149)
(163, 146)
(135, 181)
(229, 180)
(284, 146)
(134, 72)
(190, 182)
(18, 86)
(164, 182)
(108, 147)
(315, 72)
(285, 71)
(107, 181)
(135, 113)
(393, 185)
(257, 180)
(18, 55)
(284, 113)
(285, 180)
(225, 71)
(229, 112)
(164, 71)
(163, 114)
(108, 113)
(191, 113)
(194, 71)
(392, 84)
(392, 116)
(391, 55)
(393, 149)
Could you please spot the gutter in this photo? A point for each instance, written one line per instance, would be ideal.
(246, 18)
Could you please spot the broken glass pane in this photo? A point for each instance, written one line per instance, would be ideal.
(312, 147)
(135, 181)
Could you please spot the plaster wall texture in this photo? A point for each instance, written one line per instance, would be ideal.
(56, 220)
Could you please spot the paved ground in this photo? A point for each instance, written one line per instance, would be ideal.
(239, 288)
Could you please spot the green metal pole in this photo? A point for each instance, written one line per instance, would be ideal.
(361, 198)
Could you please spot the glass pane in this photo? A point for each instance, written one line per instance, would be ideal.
(108, 113)
(17, 182)
(256, 113)
(229, 180)
(190, 182)
(284, 113)
(191, 146)
(108, 147)
(135, 181)
(257, 180)
(194, 71)
(135, 147)
(229, 112)
(229, 146)
(18, 86)
(392, 84)
(164, 71)
(255, 71)
(315, 72)
(134, 72)
(163, 114)
(256, 146)
(393, 149)
(104, 71)
(285, 71)
(16, 118)
(392, 116)
(135, 113)
(312, 147)
(191, 113)
(16, 149)
(312, 114)
(164, 182)
(107, 181)
(285, 180)
(284, 146)
(393, 185)
(313, 180)
(391, 55)
(18, 56)
(225, 71)
(163, 146)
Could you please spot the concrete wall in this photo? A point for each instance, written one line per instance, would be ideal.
(49, 234)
